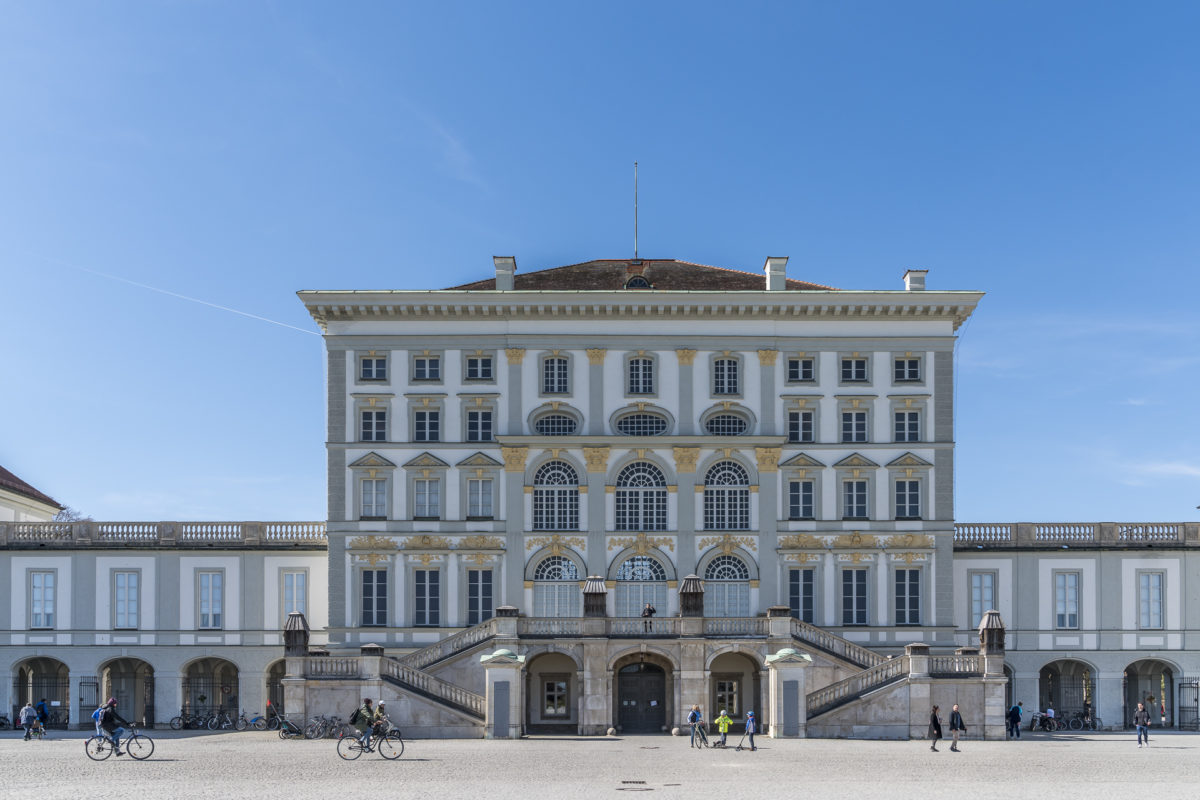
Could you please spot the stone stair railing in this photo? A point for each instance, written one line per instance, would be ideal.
(835, 645)
(842, 692)
(451, 645)
(432, 687)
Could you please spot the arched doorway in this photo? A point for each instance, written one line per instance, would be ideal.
(37, 679)
(1068, 687)
(552, 694)
(275, 675)
(1151, 682)
(210, 684)
(641, 695)
(734, 687)
(131, 682)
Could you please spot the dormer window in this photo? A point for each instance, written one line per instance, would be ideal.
(638, 282)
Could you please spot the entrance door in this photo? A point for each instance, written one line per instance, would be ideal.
(641, 698)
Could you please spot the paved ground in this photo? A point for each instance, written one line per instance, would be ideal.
(234, 765)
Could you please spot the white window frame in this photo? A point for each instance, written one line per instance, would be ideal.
(427, 597)
(856, 426)
(1066, 586)
(856, 606)
(210, 599)
(799, 580)
(289, 577)
(555, 374)
(796, 498)
(481, 498)
(861, 499)
(43, 599)
(982, 587)
(126, 603)
(377, 615)
(641, 375)
(800, 361)
(374, 494)
(481, 424)
(481, 605)
(906, 425)
(372, 424)
(726, 376)
(907, 602)
(907, 368)
(1151, 598)
(426, 367)
(801, 425)
(479, 367)
(854, 368)
(427, 496)
(372, 367)
(906, 497)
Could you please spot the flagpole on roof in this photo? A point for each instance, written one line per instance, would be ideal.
(635, 212)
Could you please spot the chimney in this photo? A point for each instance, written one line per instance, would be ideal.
(506, 267)
(776, 269)
(914, 280)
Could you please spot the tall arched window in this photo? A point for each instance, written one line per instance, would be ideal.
(727, 497)
(555, 497)
(641, 498)
(641, 580)
(556, 591)
(726, 587)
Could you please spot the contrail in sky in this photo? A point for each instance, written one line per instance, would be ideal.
(171, 294)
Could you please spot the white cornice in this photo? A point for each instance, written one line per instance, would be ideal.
(363, 306)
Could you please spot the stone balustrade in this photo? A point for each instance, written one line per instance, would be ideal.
(989, 535)
(236, 535)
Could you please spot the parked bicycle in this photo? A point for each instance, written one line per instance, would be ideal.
(220, 721)
(5, 722)
(322, 727)
(390, 745)
(262, 722)
(188, 719)
(136, 745)
(1082, 722)
(289, 729)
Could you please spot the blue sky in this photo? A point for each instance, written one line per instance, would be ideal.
(1043, 152)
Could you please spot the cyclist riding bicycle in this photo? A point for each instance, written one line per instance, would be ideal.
(363, 720)
(113, 724)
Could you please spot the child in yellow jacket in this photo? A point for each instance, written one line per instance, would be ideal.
(723, 722)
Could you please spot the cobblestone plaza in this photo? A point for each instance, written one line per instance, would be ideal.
(260, 765)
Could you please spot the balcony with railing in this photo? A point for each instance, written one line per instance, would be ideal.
(233, 535)
(1078, 535)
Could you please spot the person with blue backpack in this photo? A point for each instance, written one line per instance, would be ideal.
(96, 715)
(113, 724)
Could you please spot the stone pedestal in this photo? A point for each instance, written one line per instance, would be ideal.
(786, 713)
(504, 673)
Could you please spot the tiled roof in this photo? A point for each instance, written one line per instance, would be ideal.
(14, 484)
(665, 274)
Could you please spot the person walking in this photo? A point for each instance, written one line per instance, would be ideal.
(723, 725)
(751, 728)
(935, 728)
(27, 717)
(956, 727)
(43, 714)
(1014, 721)
(647, 615)
(1141, 718)
(695, 719)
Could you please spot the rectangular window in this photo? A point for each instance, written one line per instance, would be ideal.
(41, 585)
(854, 597)
(1066, 600)
(427, 426)
(427, 368)
(427, 598)
(374, 426)
(555, 700)
(908, 597)
(372, 368)
(427, 498)
(1150, 600)
(641, 376)
(374, 498)
(125, 600)
(212, 599)
(479, 498)
(725, 376)
(908, 426)
(728, 693)
(854, 370)
(854, 499)
(479, 426)
(295, 592)
(801, 594)
(801, 370)
(479, 596)
(854, 426)
(554, 376)
(374, 597)
(983, 596)
(479, 368)
(908, 499)
(801, 427)
(800, 499)
(907, 370)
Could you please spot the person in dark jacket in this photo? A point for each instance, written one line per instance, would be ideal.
(956, 727)
(935, 729)
(1141, 718)
(1014, 720)
(751, 728)
(648, 614)
(113, 724)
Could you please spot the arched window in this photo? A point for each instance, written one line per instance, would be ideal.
(641, 580)
(555, 425)
(556, 591)
(641, 498)
(641, 424)
(726, 588)
(727, 497)
(726, 425)
(637, 282)
(555, 497)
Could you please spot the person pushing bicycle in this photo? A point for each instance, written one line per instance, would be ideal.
(113, 724)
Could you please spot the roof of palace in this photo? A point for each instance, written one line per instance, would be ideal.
(17, 486)
(665, 274)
